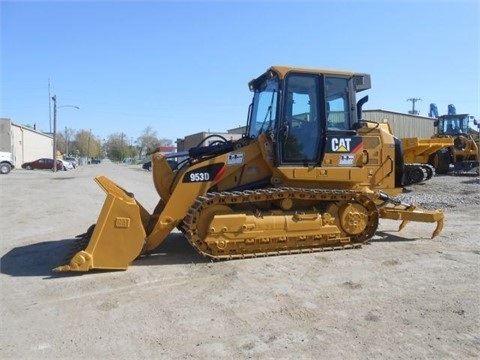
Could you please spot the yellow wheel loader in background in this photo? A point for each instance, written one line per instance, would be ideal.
(463, 154)
(308, 175)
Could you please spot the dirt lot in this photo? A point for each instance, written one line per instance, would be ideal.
(404, 296)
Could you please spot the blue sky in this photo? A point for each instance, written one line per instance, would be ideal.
(183, 66)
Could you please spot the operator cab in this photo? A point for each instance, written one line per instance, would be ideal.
(301, 109)
(453, 125)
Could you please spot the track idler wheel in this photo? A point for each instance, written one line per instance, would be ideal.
(358, 219)
(353, 218)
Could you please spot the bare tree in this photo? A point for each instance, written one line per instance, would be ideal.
(148, 140)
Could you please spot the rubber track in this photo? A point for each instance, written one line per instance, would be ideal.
(315, 195)
(415, 174)
(429, 169)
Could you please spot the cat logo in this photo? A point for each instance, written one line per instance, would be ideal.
(341, 144)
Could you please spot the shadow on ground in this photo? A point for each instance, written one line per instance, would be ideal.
(39, 259)
(36, 259)
(390, 236)
(174, 250)
(472, 181)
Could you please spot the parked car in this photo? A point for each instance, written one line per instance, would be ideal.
(67, 165)
(72, 161)
(96, 161)
(148, 165)
(6, 162)
(43, 164)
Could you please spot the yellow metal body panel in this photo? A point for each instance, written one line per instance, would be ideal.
(253, 168)
(417, 150)
(468, 150)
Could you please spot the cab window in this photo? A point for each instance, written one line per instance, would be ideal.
(337, 107)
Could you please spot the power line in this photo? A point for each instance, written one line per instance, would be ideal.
(414, 100)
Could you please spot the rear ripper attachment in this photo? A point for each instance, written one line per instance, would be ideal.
(396, 210)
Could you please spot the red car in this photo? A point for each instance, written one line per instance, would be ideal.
(43, 164)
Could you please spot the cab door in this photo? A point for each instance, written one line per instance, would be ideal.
(301, 132)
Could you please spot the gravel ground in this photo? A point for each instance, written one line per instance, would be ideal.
(444, 192)
(403, 296)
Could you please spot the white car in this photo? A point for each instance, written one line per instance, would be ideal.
(6, 162)
(67, 165)
(72, 160)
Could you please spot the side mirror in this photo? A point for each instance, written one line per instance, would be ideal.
(435, 123)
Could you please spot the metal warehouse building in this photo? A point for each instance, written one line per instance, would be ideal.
(403, 125)
(26, 144)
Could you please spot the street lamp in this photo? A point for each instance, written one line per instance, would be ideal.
(55, 107)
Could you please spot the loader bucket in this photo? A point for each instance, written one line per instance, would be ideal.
(116, 239)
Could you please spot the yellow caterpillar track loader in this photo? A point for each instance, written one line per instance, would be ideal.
(308, 175)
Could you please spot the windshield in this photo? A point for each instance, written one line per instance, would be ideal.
(264, 110)
(453, 124)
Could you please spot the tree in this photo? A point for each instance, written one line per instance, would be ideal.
(117, 146)
(64, 141)
(69, 135)
(60, 139)
(87, 144)
(148, 140)
(165, 142)
(133, 151)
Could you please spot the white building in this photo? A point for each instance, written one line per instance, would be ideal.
(26, 144)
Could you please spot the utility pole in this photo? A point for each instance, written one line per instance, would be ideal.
(54, 98)
(49, 106)
(121, 147)
(414, 100)
(66, 141)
